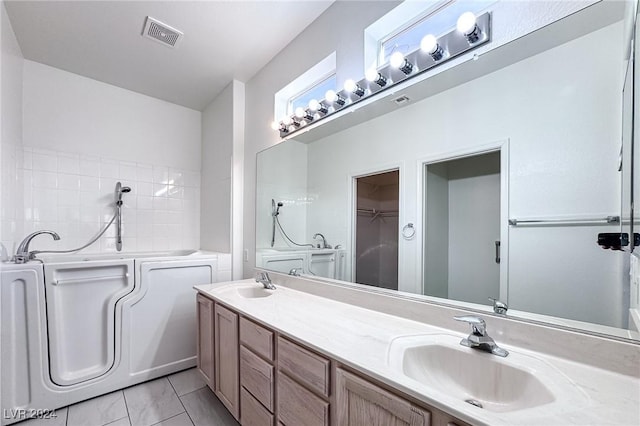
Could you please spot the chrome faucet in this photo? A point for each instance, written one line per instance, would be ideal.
(296, 272)
(499, 307)
(479, 339)
(264, 279)
(23, 255)
(324, 241)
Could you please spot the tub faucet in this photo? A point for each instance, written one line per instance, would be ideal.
(479, 339)
(22, 253)
(296, 272)
(324, 241)
(264, 279)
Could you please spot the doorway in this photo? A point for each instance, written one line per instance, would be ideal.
(462, 225)
(376, 223)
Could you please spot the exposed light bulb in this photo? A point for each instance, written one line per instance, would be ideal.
(286, 120)
(353, 87)
(467, 25)
(300, 112)
(314, 106)
(374, 76)
(275, 125)
(397, 60)
(429, 44)
(332, 97)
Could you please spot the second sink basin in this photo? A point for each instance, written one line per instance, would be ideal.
(514, 383)
(254, 292)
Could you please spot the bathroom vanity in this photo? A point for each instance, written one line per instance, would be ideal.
(291, 357)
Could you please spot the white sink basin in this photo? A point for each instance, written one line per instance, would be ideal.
(517, 382)
(254, 292)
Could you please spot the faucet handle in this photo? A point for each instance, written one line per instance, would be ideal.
(262, 276)
(499, 307)
(478, 326)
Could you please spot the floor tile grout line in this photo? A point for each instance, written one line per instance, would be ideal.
(181, 403)
(179, 414)
(126, 406)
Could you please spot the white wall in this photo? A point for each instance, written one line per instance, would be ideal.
(217, 148)
(222, 166)
(81, 136)
(325, 35)
(70, 113)
(11, 199)
(563, 126)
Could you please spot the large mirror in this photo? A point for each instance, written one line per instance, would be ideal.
(495, 187)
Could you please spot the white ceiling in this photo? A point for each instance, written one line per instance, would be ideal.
(223, 40)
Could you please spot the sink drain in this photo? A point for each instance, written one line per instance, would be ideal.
(474, 402)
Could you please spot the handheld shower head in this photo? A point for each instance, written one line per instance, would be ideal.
(275, 209)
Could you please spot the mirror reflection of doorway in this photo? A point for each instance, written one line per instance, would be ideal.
(462, 241)
(377, 205)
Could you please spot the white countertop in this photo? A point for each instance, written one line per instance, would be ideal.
(361, 339)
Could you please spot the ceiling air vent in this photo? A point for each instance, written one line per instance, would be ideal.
(162, 33)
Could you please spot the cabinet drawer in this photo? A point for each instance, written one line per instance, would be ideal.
(252, 413)
(256, 337)
(298, 406)
(305, 366)
(256, 376)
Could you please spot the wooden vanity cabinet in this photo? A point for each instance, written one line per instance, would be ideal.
(303, 385)
(362, 403)
(205, 339)
(265, 379)
(257, 374)
(226, 361)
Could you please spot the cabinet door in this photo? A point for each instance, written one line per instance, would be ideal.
(227, 376)
(361, 403)
(205, 338)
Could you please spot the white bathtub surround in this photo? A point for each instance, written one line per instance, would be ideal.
(591, 388)
(138, 323)
(73, 194)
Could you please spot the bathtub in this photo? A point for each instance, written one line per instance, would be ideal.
(83, 325)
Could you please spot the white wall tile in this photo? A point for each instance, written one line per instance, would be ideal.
(89, 183)
(74, 195)
(89, 165)
(128, 172)
(41, 179)
(44, 162)
(109, 169)
(160, 175)
(67, 181)
(68, 163)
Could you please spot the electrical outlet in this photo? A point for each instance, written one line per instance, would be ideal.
(246, 255)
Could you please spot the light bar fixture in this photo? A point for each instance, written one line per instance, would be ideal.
(470, 33)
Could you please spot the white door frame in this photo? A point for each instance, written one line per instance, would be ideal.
(351, 211)
(501, 146)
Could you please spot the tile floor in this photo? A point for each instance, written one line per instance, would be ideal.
(180, 399)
